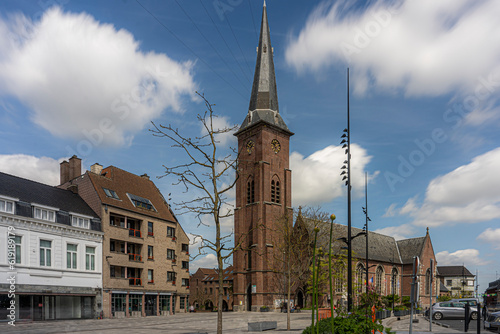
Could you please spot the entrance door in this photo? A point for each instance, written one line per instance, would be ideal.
(300, 299)
(49, 307)
(249, 298)
(150, 307)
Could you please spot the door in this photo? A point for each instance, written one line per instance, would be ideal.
(150, 307)
(249, 297)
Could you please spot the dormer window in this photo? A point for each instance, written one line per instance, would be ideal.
(80, 221)
(7, 204)
(141, 202)
(45, 213)
(111, 193)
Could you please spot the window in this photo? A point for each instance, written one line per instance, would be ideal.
(171, 254)
(150, 228)
(71, 256)
(394, 281)
(339, 278)
(360, 274)
(117, 271)
(90, 258)
(45, 253)
(135, 302)
(150, 253)
(185, 282)
(140, 202)
(185, 265)
(150, 276)
(14, 248)
(116, 220)
(378, 280)
(427, 281)
(164, 303)
(250, 192)
(80, 222)
(6, 206)
(275, 191)
(185, 248)
(211, 290)
(170, 232)
(448, 282)
(118, 302)
(111, 193)
(182, 302)
(117, 246)
(134, 252)
(44, 214)
(134, 227)
(171, 276)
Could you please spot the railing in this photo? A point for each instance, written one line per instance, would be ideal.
(134, 233)
(134, 281)
(134, 257)
(151, 233)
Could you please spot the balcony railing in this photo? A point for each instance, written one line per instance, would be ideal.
(134, 257)
(134, 233)
(134, 281)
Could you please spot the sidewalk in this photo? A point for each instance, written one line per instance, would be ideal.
(422, 326)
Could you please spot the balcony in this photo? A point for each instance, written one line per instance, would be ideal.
(134, 257)
(135, 281)
(134, 233)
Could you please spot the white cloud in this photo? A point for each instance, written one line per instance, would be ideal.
(491, 236)
(468, 194)
(424, 47)
(44, 170)
(84, 79)
(400, 232)
(206, 261)
(316, 179)
(465, 256)
(391, 211)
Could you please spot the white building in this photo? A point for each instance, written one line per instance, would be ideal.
(50, 253)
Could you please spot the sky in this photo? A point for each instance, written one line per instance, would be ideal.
(89, 77)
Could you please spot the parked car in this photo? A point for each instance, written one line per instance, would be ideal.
(452, 310)
(470, 301)
(493, 321)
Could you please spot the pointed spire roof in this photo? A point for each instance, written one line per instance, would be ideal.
(264, 98)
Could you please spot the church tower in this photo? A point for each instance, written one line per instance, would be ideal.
(263, 189)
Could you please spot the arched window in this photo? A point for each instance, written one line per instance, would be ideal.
(360, 274)
(275, 191)
(339, 278)
(250, 191)
(378, 279)
(427, 281)
(394, 281)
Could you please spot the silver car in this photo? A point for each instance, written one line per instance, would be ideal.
(493, 321)
(452, 310)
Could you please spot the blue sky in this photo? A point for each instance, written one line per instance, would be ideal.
(87, 77)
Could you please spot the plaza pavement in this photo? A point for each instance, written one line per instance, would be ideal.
(197, 323)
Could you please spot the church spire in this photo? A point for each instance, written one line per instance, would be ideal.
(264, 98)
(264, 93)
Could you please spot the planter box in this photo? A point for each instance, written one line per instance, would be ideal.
(264, 309)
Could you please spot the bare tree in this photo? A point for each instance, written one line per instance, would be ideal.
(213, 175)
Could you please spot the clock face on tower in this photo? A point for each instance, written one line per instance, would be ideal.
(275, 145)
(250, 146)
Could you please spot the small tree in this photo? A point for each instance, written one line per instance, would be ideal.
(213, 175)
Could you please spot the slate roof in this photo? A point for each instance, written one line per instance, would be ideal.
(447, 271)
(443, 288)
(31, 192)
(382, 248)
(263, 107)
(123, 182)
(408, 248)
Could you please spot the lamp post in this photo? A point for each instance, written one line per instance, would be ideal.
(346, 141)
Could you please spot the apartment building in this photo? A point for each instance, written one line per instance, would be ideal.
(458, 280)
(145, 250)
(51, 261)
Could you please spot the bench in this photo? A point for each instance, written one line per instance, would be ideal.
(262, 326)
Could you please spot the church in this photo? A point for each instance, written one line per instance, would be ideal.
(263, 195)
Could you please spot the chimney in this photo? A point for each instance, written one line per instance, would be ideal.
(64, 172)
(75, 167)
(145, 176)
(96, 169)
